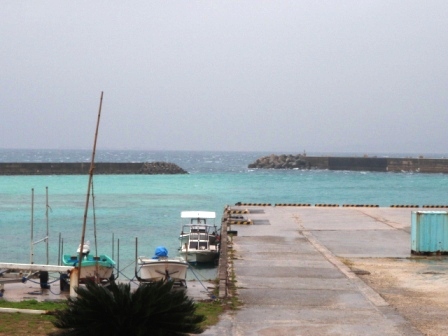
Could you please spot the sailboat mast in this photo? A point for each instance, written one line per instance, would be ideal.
(92, 167)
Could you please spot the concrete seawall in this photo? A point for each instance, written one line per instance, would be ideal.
(379, 164)
(81, 168)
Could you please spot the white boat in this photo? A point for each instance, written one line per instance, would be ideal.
(93, 268)
(161, 267)
(199, 239)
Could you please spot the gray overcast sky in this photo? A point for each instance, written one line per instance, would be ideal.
(320, 76)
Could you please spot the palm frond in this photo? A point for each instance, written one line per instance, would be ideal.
(153, 309)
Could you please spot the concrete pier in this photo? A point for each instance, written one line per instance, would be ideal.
(333, 271)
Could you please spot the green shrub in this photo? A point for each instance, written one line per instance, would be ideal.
(150, 310)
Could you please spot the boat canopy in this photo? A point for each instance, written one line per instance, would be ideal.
(198, 214)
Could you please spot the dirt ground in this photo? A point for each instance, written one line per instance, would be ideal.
(417, 287)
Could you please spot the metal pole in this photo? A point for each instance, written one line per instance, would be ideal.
(59, 249)
(136, 243)
(92, 167)
(46, 216)
(32, 228)
(62, 249)
(118, 258)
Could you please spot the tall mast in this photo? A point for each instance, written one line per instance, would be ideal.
(92, 167)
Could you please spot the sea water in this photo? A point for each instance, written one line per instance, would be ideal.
(148, 207)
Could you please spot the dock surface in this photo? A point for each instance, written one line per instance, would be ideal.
(333, 271)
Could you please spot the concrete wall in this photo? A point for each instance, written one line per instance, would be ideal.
(421, 165)
(357, 163)
(387, 164)
(80, 168)
(318, 162)
(354, 163)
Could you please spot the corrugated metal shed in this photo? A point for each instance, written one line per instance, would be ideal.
(429, 232)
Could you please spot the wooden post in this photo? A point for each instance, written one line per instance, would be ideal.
(74, 276)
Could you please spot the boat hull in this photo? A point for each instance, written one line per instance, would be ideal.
(199, 256)
(152, 270)
(91, 267)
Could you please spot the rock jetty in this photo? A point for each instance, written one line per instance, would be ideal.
(153, 168)
(281, 162)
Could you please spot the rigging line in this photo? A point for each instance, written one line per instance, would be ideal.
(94, 234)
(49, 287)
(128, 265)
(94, 220)
(130, 279)
(194, 273)
(194, 269)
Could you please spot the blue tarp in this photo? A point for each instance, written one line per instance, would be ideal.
(161, 251)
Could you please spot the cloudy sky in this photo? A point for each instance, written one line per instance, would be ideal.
(320, 76)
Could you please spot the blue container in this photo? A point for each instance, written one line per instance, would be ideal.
(429, 232)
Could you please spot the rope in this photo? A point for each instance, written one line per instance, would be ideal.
(54, 292)
(206, 289)
(130, 279)
(24, 280)
(94, 219)
(192, 267)
(46, 285)
(129, 265)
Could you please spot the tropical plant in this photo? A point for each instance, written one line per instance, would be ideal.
(152, 309)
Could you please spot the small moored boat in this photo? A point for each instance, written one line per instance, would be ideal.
(99, 268)
(161, 267)
(199, 240)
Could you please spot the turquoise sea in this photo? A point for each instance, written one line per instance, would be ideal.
(149, 206)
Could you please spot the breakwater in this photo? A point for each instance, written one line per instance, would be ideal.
(81, 168)
(378, 164)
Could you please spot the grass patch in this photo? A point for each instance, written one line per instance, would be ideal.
(33, 304)
(211, 310)
(26, 324)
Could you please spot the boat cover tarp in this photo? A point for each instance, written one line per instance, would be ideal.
(160, 251)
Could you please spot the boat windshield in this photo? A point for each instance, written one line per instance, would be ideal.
(196, 229)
